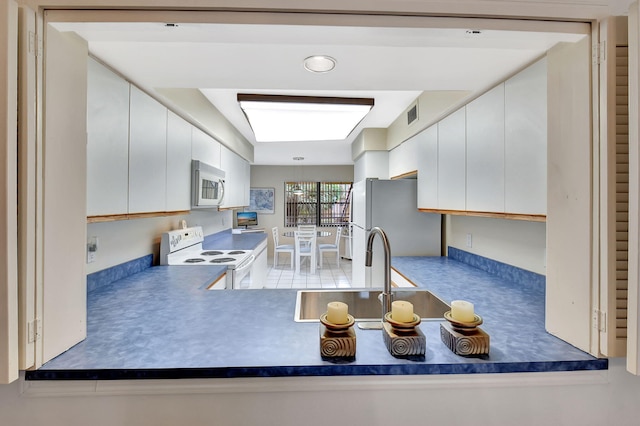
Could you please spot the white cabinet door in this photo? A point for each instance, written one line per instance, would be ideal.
(178, 163)
(107, 141)
(451, 162)
(229, 165)
(485, 152)
(403, 158)
(205, 148)
(147, 154)
(64, 286)
(427, 155)
(247, 183)
(236, 185)
(371, 164)
(526, 141)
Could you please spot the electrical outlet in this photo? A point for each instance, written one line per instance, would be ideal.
(469, 241)
(92, 249)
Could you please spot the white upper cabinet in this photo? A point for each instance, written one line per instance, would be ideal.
(247, 182)
(427, 155)
(526, 141)
(236, 192)
(205, 148)
(490, 156)
(371, 164)
(178, 163)
(485, 152)
(403, 158)
(451, 162)
(147, 154)
(107, 141)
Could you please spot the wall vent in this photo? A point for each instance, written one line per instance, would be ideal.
(412, 114)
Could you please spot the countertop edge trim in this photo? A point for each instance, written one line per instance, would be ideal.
(317, 370)
(99, 387)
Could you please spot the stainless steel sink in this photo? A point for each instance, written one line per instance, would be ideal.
(364, 304)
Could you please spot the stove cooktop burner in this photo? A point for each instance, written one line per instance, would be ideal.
(211, 253)
(194, 260)
(223, 260)
(236, 252)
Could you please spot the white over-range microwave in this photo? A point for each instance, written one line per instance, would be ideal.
(207, 185)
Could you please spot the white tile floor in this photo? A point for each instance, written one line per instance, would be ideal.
(330, 276)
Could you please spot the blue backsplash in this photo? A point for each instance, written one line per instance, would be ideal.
(502, 270)
(123, 270)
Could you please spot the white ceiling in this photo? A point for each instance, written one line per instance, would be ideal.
(392, 65)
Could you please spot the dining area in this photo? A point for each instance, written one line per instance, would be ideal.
(308, 248)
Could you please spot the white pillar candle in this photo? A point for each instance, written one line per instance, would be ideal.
(337, 312)
(462, 311)
(402, 311)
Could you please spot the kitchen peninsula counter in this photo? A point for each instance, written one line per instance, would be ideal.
(163, 323)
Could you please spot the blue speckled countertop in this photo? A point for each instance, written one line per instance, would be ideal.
(226, 240)
(174, 328)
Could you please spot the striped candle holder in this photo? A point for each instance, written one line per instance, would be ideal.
(465, 339)
(403, 339)
(337, 340)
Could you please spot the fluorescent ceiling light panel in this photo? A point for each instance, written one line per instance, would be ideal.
(277, 118)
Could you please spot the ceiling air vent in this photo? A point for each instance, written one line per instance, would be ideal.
(412, 114)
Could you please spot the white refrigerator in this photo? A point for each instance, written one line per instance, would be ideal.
(393, 206)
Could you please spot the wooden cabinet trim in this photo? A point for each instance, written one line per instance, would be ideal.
(512, 216)
(116, 217)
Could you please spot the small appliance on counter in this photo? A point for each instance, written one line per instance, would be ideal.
(248, 220)
(184, 247)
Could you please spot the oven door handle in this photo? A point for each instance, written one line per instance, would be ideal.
(246, 264)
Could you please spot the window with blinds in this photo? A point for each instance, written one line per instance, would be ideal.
(317, 203)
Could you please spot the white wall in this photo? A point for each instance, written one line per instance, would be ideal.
(514, 242)
(432, 107)
(276, 176)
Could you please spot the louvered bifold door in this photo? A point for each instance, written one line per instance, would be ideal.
(611, 316)
(633, 307)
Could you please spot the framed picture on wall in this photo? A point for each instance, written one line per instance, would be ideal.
(262, 200)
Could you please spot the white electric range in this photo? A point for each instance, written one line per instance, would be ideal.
(183, 247)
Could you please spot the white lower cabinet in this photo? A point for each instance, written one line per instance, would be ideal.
(260, 266)
(485, 152)
(452, 162)
(147, 154)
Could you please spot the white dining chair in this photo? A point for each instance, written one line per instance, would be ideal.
(328, 248)
(280, 248)
(305, 246)
(307, 228)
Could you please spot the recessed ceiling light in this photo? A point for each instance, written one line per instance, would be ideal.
(319, 63)
(281, 118)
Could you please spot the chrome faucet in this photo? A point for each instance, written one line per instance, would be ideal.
(386, 292)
